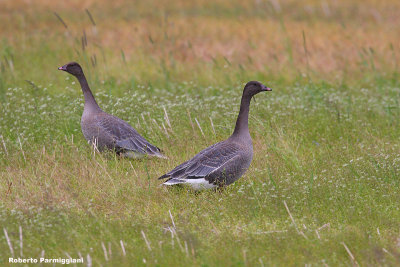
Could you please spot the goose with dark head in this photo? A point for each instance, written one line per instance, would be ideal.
(106, 131)
(224, 162)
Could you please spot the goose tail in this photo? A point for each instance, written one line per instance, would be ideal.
(174, 181)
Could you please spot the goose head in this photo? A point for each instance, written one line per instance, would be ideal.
(72, 68)
(253, 87)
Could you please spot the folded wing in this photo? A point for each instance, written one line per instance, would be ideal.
(208, 161)
(126, 138)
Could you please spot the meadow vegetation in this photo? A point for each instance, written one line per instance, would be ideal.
(323, 187)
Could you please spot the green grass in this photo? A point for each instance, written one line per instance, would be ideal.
(323, 186)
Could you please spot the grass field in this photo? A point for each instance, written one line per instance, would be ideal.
(324, 185)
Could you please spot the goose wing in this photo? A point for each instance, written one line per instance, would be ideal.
(126, 138)
(206, 162)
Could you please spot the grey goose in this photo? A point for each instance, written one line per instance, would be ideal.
(224, 162)
(106, 131)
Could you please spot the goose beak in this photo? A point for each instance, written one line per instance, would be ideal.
(64, 68)
(266, 88)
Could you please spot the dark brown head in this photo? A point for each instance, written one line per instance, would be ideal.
(253, 87)
(72, 68)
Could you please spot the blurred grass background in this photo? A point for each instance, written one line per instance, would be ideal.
(326, 138)
(208, 41)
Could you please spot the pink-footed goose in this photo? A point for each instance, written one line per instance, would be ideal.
(107, 131)
(224, 162)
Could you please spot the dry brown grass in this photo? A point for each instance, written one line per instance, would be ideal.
(341, 36)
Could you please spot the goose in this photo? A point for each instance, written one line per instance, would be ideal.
(222, 163)
(106, 131)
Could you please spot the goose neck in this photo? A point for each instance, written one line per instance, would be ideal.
(242, 122)
(90, 102)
